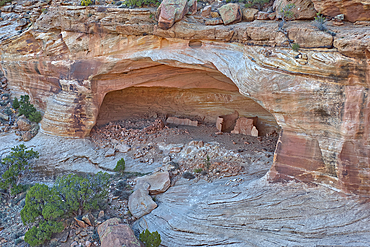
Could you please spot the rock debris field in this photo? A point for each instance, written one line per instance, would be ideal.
(224, 200)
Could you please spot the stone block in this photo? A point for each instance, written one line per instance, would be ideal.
(249, 14)
(243, 126)
(230, 13)
(226, 123)
(181, 121)
(171, 11)
(206, 11)
(159, 182)
(140, 203)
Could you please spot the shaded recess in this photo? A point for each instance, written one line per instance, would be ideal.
(202, 104)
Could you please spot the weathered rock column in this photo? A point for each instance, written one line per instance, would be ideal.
(72, 111)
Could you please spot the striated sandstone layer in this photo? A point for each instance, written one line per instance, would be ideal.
(73, 56)
(245, 212)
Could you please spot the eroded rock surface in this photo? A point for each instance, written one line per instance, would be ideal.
(353, 10)
(72, 56)
(245, 212)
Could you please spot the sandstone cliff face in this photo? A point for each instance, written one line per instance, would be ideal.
(353, 10)
(73, 56)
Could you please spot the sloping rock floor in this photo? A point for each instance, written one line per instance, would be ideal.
(251, 212)
(230, 205)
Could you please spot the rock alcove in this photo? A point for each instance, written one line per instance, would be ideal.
(318, 96)
(200, 104)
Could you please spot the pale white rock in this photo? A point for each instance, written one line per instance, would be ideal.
(123, 148)
(254, 131)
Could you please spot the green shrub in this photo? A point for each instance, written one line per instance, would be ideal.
(141, 3)
(320, 18)
(120, 167)
(295, 47)
(286, 12)
(28, 110)
(86, 2)
(198, 170)
(207, 162)
(15, 166)
(150, 239)
(35, 117)
(3, 2)
(8, 111)
(38, 235)
(25, 107)
(45, 207)
(15, 103)
(256, 3)
(82, 194)
(71, 195)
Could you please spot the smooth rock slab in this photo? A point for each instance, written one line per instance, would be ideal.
(242, 213)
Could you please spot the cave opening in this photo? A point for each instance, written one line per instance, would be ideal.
(197, 104)
(133, 118)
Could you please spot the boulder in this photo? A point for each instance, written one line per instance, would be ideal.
(89, 219)
(112, 233)
(171, 11)
(304, 9)
(23, 124)
(80, 222)
(353, 10)
(215, 14)
(206, 11)
(159, 182)
(230, 13)
(3, 116)
(249, 14)
(254, 131)
(140, 203)
(192, 7)
(26, 136)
